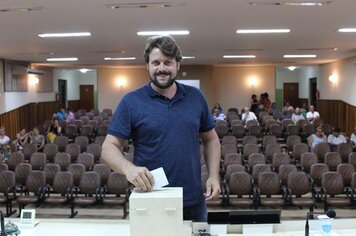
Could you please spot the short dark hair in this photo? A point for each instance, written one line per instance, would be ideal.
(166, 44)
(337, 130)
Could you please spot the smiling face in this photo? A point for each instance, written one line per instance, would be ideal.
(162, 69)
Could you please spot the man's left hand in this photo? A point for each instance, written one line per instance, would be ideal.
(212, 189)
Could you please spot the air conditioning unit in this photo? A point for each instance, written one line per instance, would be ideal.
(35, 72)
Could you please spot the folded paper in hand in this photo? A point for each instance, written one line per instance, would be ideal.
(160, 178)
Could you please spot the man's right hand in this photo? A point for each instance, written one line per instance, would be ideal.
(140, 177)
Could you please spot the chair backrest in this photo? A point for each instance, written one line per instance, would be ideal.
(104, 171)
(293, 129)
(316, 171)
(94, 149)
(61, 142)
(14, 159)
(353, 180)
(238, 131)
(321, 149)
(78, 123)
(73, 150)
(344, 149)
(251, 123)
(117, 184)
(250, 148)
(332, 159)
(63, 180)
(221, 123)
(284, 171)
(301, 124)
(308, 129)
(256, 158)
(298, 183)
(63, 159)
(89, 182)
(51, 149)
(233, 168)
(28, 150)
(22, 171)
(87, 159)
(327, 128)
(35, 180)
(94, 124)
(90, 115)
(352, 158)
(38, 160)
(107, 111)
(229, 139)
(99, 140)
(249, 139)
(95, 111)
(271, 149)
(346, 170)
(276, 130)
(255, 130)
(307, 159)
(236, 122)
(86, 130)
(4, 167)
(292, 140)
(271, 122)
(279, 159)
(286, 122)
(298, 150)
(222, 131)
(240, 183)
(102, 130)
(7, 180)
(332, 182)
(51, 169)
(99, 119)
(77, 169)
(232, 158)
(258, 169)
(82, 141)
(268, 139)
(269, 183)
(70, 131)
(228, 148)
(85, 119)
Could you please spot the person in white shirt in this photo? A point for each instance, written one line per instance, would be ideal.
(4, 142)
(297, 116)
(312, 114)
(353, 138)
(335, 139)
(317, 138)
(248, 115)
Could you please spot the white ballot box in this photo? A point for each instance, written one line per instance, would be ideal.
(157, 213)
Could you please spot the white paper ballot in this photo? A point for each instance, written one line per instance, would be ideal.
(160, 178)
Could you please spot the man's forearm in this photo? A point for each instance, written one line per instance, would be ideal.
(212, 157)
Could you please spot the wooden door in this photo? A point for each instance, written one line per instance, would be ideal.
(86, 97)
(291, 94)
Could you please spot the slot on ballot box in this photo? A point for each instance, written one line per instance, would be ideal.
(158, 213)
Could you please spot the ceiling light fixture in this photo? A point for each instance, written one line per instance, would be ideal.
(152, 33)
(60, 35)
(262, 31)
(21, 9)
(119, 58)
(347, 30)
(291, 68)
(84, 70)
(293, 3)
(188, 57)
(238, 56)
(63, 59)
(299, 56)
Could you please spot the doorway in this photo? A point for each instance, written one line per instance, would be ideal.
(62, 90)
(312, 91)
(291, 94)
(86, 97)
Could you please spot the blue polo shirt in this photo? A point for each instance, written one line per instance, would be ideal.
(165, 133)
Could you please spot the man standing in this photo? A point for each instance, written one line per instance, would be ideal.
(165, 120)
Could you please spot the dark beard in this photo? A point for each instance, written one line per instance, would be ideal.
(162, 86)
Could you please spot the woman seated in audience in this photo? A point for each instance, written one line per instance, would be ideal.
(70, 116)
(317, 138)
(353, 138)
(53, 131)
(217, 106)
(21, 140)
(61, 114)
(297, 116)
(335, 138)
(4, 142)
(217, 115)
(37, 139)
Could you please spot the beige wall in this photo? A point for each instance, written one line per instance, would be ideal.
(226, 85)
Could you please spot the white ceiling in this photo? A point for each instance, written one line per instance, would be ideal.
(212, 25)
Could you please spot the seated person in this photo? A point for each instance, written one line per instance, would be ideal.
(70, 116)
(37, 139)
(297, 116)
(353, 138)
(312, 114)
(285, 114)
(335, 139)
(217, 106)
(4, 142)
(54, 130)
(317, 138)
(273, 109)
(248, 115)
(21, 140)
(61, 114)
(217, 115)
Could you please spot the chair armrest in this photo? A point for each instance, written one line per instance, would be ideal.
(256, 195)
(98, 193)
(286, 194)
(46, 191)
(73, 192)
